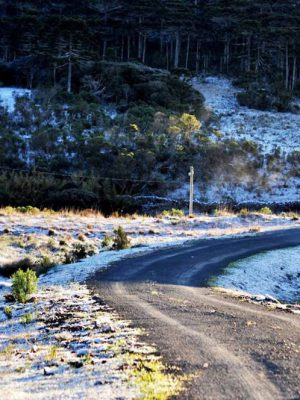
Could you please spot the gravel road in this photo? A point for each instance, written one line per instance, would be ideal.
(234, 349)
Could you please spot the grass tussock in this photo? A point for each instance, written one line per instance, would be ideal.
(174, 212)
(155, 382)
(223, 212)
(7, 352)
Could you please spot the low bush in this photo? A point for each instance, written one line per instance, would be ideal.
(24, 284)
(79, 251)
(121, 240)
(222, 212)
(26, 319)
(82, 250)
(174, 212)
(8, 312)
(28, 210)
(46, 263)
(265, 211)
(244, 212)
(258, 99)
(107, 241)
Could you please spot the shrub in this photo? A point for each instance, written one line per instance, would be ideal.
(259, 99)
(174, 212)
(294, 216)
(255, 229)
(24, 284)
(81, 237)
(26, 319)
(121, 240)
(46, 263)
(107, 241)
(222, 212)
(244, 212)
(8, 210)
(8, 312)
(28, 210)
(79, 251)
(82, 250)
(265, 211)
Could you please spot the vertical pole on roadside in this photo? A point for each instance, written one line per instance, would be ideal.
(191, 207)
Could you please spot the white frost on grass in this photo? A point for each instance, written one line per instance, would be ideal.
(274, 273)
(68, 325)
(267, 128)
(280, 190)
(270, 130)
(8, 96)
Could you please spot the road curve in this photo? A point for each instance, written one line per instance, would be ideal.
(235, 350)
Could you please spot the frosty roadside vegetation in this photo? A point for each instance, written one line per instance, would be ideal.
(67, 343)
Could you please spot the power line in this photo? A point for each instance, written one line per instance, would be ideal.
(103, 178)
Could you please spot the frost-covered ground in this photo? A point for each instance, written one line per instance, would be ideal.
(8, 96)
(31, 232)
(269, 130)
(274, 273)
(145, 233)
(74, 347)
(279, 189)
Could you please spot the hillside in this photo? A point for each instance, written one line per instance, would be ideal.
(114, 107)
(271, 135)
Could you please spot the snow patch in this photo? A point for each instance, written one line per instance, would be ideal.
(275, 273)
(270, 130)
(8, 96)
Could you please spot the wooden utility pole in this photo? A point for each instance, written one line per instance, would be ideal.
(191, 175)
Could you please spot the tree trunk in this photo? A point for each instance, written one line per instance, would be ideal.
(144, 49)
(187, 53)
(128, 47)
(104, 50)
(167, 56)
(70, 74)
(69, 89)
(198, 57)
(177, 50)
(161, 50)
(257, 62)
(227, 53)
(287, 67)
(140, 44)
(248, 64)
(122, 49)
(294, 73)
(54, 73)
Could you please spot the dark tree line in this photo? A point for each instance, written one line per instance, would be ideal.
(42, 42)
